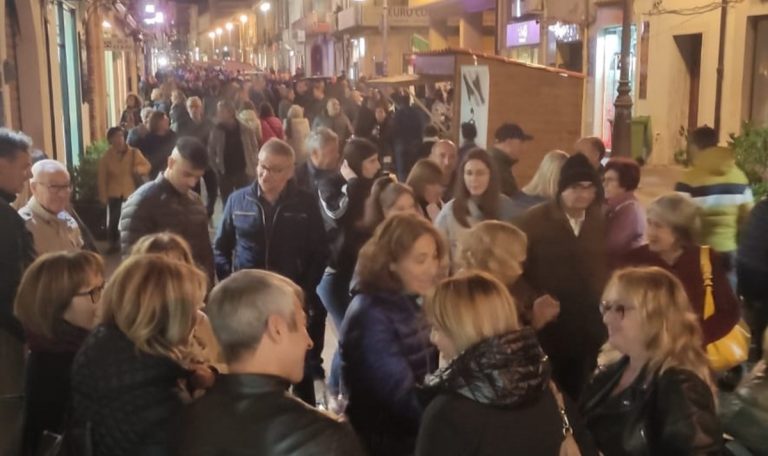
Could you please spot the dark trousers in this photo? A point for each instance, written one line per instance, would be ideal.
(114, 206)
(313, 364)
(211, 189)
(12, 354)
(228, 183)
(334, 292)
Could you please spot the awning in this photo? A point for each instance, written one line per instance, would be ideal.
(405, 80)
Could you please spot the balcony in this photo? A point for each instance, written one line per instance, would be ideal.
(314, 23)
(368, 16)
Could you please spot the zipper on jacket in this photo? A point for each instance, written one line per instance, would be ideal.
(268, 235)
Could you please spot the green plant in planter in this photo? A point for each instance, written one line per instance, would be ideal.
(85, 176)
(751, 150)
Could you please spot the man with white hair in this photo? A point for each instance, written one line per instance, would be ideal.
(259, 321)
(45, 214)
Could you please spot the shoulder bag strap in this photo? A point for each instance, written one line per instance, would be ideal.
(567, 429)
(706, 273)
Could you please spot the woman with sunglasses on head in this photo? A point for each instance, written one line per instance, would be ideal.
(58, 303)
(657, 399)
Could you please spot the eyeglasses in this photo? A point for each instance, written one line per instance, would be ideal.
(613, 306)
(57, 188)
(94, 293)
(270, 170)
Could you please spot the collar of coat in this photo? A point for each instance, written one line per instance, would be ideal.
(38, 211)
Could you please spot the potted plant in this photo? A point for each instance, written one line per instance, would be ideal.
(751, 150)
(85, 192)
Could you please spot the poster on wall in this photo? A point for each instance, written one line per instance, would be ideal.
(475, 87)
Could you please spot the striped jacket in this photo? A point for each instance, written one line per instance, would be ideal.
(722, 190)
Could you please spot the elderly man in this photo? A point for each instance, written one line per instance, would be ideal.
(52, 227)
(324, 160)
(336, 120)
(446, 155)
(137, 134)
(196, 125)
(258, 319)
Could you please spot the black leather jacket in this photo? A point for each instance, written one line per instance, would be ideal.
(669, 413)
(255, 414)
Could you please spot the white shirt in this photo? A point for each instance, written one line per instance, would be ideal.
(576, 222)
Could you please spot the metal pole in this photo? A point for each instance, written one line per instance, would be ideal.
(720, 61)
(384, 36)
(622, 122)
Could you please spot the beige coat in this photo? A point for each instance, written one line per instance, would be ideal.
(116, 170)
(52, 233)
(298, 138)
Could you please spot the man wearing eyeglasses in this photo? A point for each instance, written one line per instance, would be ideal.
(276, 226)
(52, 227)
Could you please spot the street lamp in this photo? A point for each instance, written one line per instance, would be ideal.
(212, 36)
(243, 20)
(621, 143)
(265, 7)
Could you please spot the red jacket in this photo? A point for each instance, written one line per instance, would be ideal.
(271, 127)
(687, 269)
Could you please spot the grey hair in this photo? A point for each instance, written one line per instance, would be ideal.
(145, 113)
(320, 138)
(47, 166)
(278, 147)
(240, 306)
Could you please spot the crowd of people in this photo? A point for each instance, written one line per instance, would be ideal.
(474, 315)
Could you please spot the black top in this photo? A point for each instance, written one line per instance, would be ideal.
(234, 154)
(255, 415)
(17, 251)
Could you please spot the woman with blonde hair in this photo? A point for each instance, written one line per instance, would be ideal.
(496, 387)
(672, 232)
(426, 180)
(58, 305)
(500, 249)
(204, 349)
(543, 185)
(658, 398)
(384, 339)
(125, 376)
(296, 128)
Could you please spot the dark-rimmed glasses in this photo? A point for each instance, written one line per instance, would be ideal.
(94, 293)
(614, 306)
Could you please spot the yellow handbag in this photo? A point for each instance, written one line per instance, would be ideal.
(733, 348)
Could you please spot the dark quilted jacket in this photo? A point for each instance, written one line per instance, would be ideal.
(126, 395)
(494, 399)
(385, 353)
(156, 207)
(295, 245)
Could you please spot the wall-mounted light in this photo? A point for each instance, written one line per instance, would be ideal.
(150, 9)
(219, 31)
(211, 35)
(265, 7)
(106, 24)
(229, 26)
(243, 18)
(159, 18)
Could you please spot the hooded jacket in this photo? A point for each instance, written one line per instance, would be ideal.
(493, 399)
(722, 190)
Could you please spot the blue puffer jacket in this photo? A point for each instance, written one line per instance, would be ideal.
(294, 246)
(385, 353)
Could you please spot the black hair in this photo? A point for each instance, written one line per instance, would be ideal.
(113, 131)
(469, 131)
(193, 151)
(703, 137)
(265, 110)
(13, 142)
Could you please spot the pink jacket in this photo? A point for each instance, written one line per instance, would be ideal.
(271, 127)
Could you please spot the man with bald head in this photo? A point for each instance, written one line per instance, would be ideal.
(52, 226)
(446, 155)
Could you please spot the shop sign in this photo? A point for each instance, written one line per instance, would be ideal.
(523, 33)
(402, 16)
(117, 43)
(565, 33)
